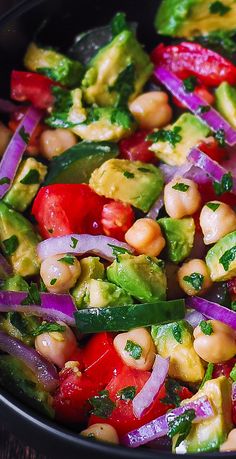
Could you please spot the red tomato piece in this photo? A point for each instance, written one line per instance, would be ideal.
(208, 194)
(122, 417)
(213, 150)
(32, 87)
(100, 359)
(187, 59)
(224, 368)
(117, 218)
(64, 209)
(201, 91)
(136, 148)
(33, 145)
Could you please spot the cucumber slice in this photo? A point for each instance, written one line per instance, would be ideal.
(77, 164)
(123, 318)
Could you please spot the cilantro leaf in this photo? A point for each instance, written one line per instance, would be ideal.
(53, 281)
(128, 175)
(48, 327)
(203, 109)
(102, 405)
(124, 85)
(119, 23)
(226, 259)
(68, 259)
(122, 117)
(181, 425)
(177, 332)
(116, 250)
(213, 206)
(42, 287)
(181, 187)
(62, 105)
(172, 397)
(225, 185)
(219, 8)
(74, 242)
(206, 327)
(208, 374)
(33, 296)
(190, 83)
(24, 135)
(128, 393)
(196, 280)
(145, 170)
(4, 180)
(31, 178)
(164, 135)
(10, 245)
(133, 349)
(220, 137)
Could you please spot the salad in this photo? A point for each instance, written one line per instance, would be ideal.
(118, 232)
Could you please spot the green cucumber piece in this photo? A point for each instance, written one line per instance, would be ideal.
(123, 318)
(77, 164)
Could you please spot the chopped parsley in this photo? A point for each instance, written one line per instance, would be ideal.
(68, 259)
(172, 397)
(10, 245)
(53, 281)
(74, 242)
(31, 178)
(119, 23)
(181, 426)
(225, 185)
(116, 250)
(33, 296)
(220, 137)
(42, 287)
(219, 8)
(181, 187)
(190, 83)
(18, 321)
(133, 349)
(233, 306)
(196, 280)
(102, 405)
(208, 374)
(144, 169)
(63, 103)
(228, 257)
(206, 327)
(128, 393)
(233, 373)
(124, 85)
(122, 117)
(24, 135)
(203, 109)
(4, 180)
(177, 332)
(128, 175)
(48, 327)
(164, 135)
(213, 206)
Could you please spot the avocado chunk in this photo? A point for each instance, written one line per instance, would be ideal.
(91, 268)
(30, 175)
(15, 284)
(18, 241)
(190, 18)
(221, 258)
(133, 182)
(101, 294)
(54, 65)
(20, 381)
(184, 134)
(77, 164)
(208, 435)
(226, 102)
(179, 235)
(20, 326)
(118, 72)
(141, 276)
(175, 340)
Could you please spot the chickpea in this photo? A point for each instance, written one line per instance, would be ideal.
(181, 197)
(194, 277)
(230, 443)
(101, 432)
(151, 110)
(53, 142)
(57, 347)
(59, 276)
(146, 237)
(219, 346)
(217, 219)
(136, 348)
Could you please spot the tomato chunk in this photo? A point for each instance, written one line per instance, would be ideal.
(117, 218)
(213, 150)
(136, 148)
(33, 147)
(224, 368)
(32, 87)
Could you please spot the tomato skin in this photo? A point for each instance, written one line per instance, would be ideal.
(208, 194)
(117, 218)
(33, 147)
(136, 148)
(213, 150)
(187, 59)
(223, 368)
(32, 87)
(65, 209)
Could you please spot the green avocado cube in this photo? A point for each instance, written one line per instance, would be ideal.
(91, 268)
(221, 258)
(179, 235)
(226, 102)
(141, 276)
(133, 182)
(101, 294)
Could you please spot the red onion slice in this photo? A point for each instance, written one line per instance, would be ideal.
(16, 147)
(44, 371)
(193, 102)
(212, 310)
(44, 313)
(156, 207)
(194, 318)
(159, 427)
(80, 244)
(150, 390)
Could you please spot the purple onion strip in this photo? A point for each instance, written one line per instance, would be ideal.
(212, 310)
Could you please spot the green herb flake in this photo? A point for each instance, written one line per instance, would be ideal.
(116, 250)
(225, 185)
(10, 245)
(102, 405)
(74, 242)
(220, 137)
(213, 206)
(233, 373)
(196, 280)
(206, 327)
(124, 85)
(164, 135)
(128, 175)
(208, 374)
(68, 259)
(172, 388)
(190, 83)
(48, 327)
(128, 393)
(181, 187)
(144, 170)
(118, 24)
(180, 425)
(203, 109)
(24, 135)
(42, 286)
(219, 8)
(122, 117)
(233, 306)
(31, 178)
(33, 296)
(133, 349)
(227, 258)
(177, 332)
(4, 180)
(53, 281)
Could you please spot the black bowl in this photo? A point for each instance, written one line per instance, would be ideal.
(17, 28)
